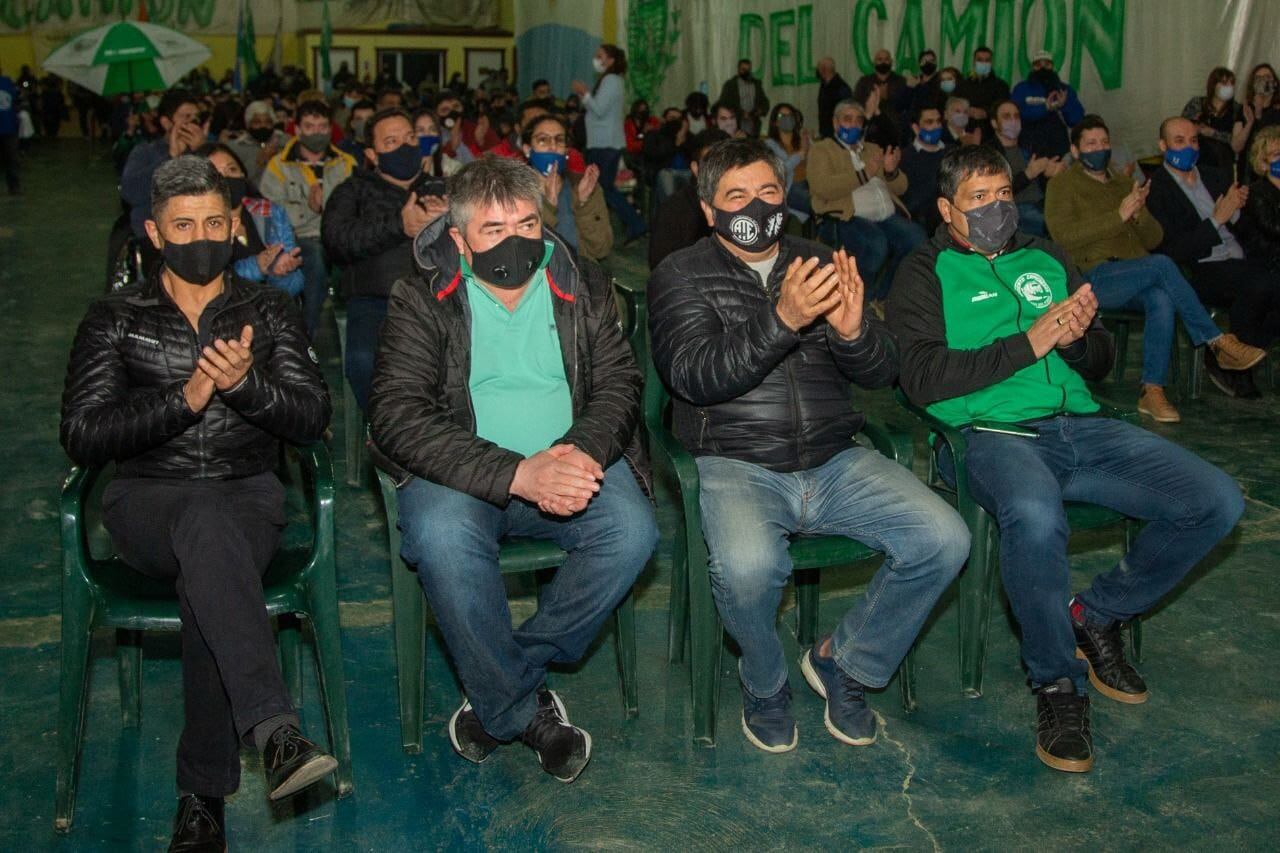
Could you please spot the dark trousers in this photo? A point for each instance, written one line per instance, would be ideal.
(1248, 290)
(9, 159)
(364, 323)
(215, 539)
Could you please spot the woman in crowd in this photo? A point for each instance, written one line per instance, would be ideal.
(572, 203)
(436, 163)
(265, 248)
(602, 106)
(1259, 225)
(789, 139)
(1261, 108)
(1219, 118)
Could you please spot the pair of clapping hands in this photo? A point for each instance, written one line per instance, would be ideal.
(560, 480)
(811, 290)
(1065, 322)
(222, 366)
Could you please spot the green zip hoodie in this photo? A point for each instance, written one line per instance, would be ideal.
(961, 320)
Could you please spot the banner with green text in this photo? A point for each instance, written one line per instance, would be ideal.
(1132, 61)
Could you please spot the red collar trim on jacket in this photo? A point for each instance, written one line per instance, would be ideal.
(567, 297)
(260, 206)
(453, 285)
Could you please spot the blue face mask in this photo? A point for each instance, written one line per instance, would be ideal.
(849, 135)
(1096, 161)
(1274, 170)
(542, 161)
(931, 137)
(348, 102)
(427, 145)
(982, 69)
(1182, 159)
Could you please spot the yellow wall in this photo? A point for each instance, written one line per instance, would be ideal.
(224, 51)
(15, 52)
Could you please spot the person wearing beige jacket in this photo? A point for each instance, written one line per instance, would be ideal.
(573, 204)
(858, 186)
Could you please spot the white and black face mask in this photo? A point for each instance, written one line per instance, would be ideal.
(752, 228)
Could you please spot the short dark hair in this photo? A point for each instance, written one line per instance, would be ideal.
(526, 131)
(314, 108)
(982, 48)
(702, 141)
(918, 111)
(694, 99)
(530, 106)
(719, 105)
(734, 154)
(186, 175)
(381, 116)
(172, 100)
(364, 104)
(541, 81)
(928, 51)
(967, 161)
(1089, 122)
(382, 93)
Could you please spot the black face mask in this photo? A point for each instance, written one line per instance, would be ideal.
(261, 134)
(927, 68)
(198, 262)
(745, 75)
(511, 263)
(239, 188)
(753, 228)
(1047, 78)
(883, 68)
(401, 163)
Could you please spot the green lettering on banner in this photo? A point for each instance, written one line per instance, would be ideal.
(781, 47)
(910, 38)
(200, 11)
(1100, 31)
(806, 70)
(861, 13)
(747, 24)
(13, 14)
(966, 32)
(1055, 34)
(1002, 42)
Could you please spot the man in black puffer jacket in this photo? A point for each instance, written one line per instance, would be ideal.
(188, 382)
(758, 336)
(368, 228)
(507, 401)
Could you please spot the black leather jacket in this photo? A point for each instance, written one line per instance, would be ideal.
(744, 386)
(134, 352)
(420, 410)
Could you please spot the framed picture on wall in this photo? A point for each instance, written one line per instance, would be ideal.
(482, 61)
(337, 56)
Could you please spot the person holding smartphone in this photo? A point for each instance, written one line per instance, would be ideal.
(999, 335)
(573, 204)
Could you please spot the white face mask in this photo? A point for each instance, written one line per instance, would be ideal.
(1010, 128)
(728, 125)
(598, 64)
(1226, 92)
(959, 121)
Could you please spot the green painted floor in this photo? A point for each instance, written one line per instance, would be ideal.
(1196, 767)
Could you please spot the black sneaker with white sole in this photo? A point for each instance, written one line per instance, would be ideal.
(292, 763)
(563, 749)
(1063, 738)
(468, 737)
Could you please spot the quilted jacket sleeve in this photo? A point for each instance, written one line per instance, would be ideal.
(103, 419)
(350, 232)
(287, 396)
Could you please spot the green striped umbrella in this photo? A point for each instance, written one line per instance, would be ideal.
(128, 56)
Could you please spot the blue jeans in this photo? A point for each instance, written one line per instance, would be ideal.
(1188, 504)
(607, 159)
(364, 323)
(748, 513)
(879, 247)
(1031, 219)
(315, 288)
(1155, 286)
(452, 539)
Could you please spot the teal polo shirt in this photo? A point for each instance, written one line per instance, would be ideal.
(518, 387)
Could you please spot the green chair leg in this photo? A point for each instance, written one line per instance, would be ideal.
(289, 637)
(1121, 332)
(678, 608)
(408, 618)
(706, 641)
(323, 606)
(807, 589)
(77, 632)
(976, 588)
(907, 681)
(625, 639)
(129, 663)
(354, 426)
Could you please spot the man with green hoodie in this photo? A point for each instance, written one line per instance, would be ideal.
(999, 334)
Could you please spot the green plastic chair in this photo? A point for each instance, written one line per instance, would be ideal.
(976, 585)
(693, 614)
(106, 593)
(353, 420)
(408, 617)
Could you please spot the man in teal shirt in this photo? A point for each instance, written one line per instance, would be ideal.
(507, 401)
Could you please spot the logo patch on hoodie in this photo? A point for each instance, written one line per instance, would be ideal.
(1032, 287)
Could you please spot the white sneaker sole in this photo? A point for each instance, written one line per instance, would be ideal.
(815, 682)
(564, 715)
(759, 744)
(453, 732)
(308, 774)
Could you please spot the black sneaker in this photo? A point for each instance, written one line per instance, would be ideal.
(768, 723)
(1103, 649)
(468, 737)
(1224, 380)
(292, 763)
(198, 826)
(1063, 739)
(562, 749)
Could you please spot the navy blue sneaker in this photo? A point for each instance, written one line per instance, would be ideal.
(848, 718)
(768, 723)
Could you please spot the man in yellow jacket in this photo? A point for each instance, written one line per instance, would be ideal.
(858, 185)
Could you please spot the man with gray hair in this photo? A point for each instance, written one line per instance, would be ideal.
(259, 141)
(189, 381)
(760, 336)
(506, 401)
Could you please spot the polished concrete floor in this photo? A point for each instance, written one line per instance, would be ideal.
(1196, 767)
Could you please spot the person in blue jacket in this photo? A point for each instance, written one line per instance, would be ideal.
(9, 133)
(265, 247)
(1049, 107)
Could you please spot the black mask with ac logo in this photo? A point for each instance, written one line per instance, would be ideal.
(753, 228)
(511, 263)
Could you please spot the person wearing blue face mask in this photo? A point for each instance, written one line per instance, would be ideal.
(1099, 215)
(982, 88)
(436, 162)
(1259, 226)
(1199, 207)
(572, 203)
(920, 161)
(858, 185)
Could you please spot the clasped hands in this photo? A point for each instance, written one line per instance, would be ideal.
(833, 291)
(222, 366)
(560, 480)
(1065, 322)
